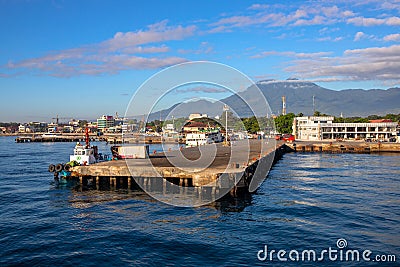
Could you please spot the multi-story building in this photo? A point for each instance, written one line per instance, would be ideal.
(322, 128)
(52, 127)
(23, 128)
(38, 126)
(105, 122)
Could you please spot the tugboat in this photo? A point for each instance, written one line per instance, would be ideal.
(83, 155)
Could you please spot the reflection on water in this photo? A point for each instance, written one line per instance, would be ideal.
(85, 196)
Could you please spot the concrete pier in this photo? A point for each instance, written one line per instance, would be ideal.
(29, 138)
(229, 167)
(344, 147)
(207, 173)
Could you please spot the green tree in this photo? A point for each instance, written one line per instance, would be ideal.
(392, 117)
(318, 114)
(284, 123)
(339, 120)
(374, 117)
(238, 126)
(83, 123)
(251, 124)
(179, 122)
(359, 120)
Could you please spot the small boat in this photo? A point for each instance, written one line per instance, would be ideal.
(83, 155)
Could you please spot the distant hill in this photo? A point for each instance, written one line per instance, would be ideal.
(299, 94)
(351, 102)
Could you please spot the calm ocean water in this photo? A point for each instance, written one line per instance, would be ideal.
(308, 201)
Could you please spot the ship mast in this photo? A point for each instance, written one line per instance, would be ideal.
(87, 140)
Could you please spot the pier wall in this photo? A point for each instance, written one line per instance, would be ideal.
(345, 147)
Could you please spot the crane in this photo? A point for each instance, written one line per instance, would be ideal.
(57, 118)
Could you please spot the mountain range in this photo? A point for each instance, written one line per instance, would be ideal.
(299, 99)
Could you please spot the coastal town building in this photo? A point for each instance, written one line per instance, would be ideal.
(129, 127)
(52, 127)
(36, 126)
(31, 127)
(23, 128)
(105, 122)
(68, 129)
(323, 128)
(194, 126)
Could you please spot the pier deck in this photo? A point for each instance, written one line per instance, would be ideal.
(196, 166)
(213, 166)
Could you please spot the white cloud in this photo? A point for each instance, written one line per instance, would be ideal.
(317, 20)
(204, 48)
(348, 13)
(359, 36)
(291, 54)
(375, 63)
(362, 21)
(330, 39)
(326, 30)
(393, 21)
(277, 16)
(330, 11)
(201, 89)
(145, 50)
(258, 6)
(391, 5)
(159, 32)
(392, 37)
(122, 52)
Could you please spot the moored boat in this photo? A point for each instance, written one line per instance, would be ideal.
(84, 154)
(203, 138)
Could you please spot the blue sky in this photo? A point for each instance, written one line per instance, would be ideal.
(86, 58)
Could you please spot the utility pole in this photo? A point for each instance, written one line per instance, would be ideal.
(313, 104)
(283, 105)
(226, 109)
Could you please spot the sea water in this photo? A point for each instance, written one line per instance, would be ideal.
(308, 202)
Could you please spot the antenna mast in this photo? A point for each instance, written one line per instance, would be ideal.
(283, 105)
(313, 103)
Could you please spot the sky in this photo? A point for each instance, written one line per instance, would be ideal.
(83, 59)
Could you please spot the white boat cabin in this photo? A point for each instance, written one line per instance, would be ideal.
(203, 138)
(83, 155)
